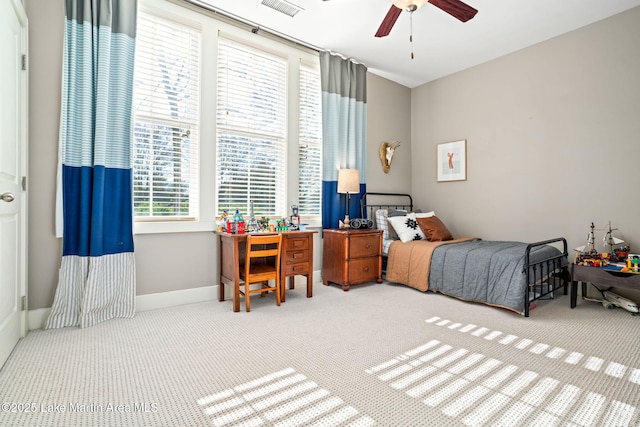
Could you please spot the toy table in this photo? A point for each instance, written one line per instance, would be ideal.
(600, 277)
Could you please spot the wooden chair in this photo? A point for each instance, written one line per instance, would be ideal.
(262, 263)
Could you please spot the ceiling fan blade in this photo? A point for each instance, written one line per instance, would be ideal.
(455, 8)
(388, 21)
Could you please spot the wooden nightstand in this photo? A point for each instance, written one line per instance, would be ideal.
(351, 256)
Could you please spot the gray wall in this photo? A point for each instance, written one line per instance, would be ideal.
(45, 63)
(553, 138)
(164, 262)
(388, 119)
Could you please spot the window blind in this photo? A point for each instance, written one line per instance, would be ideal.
(310, 143)
(166, 119)
(251, 130)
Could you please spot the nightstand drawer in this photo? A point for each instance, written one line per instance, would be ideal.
(363, 270)
(364, 246)
(294, 269)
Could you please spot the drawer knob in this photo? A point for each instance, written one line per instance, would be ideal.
(368, 245)
(366, 269)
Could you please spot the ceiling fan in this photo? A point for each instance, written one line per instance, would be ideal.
(455, 8)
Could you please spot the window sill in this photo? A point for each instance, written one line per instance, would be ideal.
(157, 227)
(312, 223)
(160, 227)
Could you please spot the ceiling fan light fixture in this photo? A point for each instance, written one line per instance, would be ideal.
(408, 4)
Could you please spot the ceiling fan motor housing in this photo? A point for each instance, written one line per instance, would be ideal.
(408, 5)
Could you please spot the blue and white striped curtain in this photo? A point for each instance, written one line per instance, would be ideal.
(95, 209)
(344, 132)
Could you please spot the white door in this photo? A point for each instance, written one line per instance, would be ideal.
(13, 163)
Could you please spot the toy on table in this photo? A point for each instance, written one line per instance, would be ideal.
(221, 221)
(282, 225)
(294, 218)
(615, 251)
(263, 224)
(252, 225)
(237, 226)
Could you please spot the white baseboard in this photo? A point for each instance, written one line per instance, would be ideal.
(38, 317)
(173, 298)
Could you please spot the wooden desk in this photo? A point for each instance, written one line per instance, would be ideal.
(296, 259)
(597, 276)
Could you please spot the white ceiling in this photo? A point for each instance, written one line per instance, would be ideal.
(442, 45)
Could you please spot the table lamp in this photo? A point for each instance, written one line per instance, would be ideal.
(348, 183)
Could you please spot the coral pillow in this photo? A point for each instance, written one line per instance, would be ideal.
(434, 229)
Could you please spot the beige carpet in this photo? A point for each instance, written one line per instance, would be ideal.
(382, 355)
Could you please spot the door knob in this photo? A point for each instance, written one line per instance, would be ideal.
(7, 197)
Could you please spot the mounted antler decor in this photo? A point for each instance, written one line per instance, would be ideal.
(386, 154)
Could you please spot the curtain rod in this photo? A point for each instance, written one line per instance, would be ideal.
(255, 28)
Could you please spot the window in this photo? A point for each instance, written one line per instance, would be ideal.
(252, 133)
(166, 130)
(222, 118)
(310, 143)
(251, 130)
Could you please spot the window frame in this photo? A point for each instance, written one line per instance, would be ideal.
(239, 130)
(153, 118)
(211, 26)
(311, 218)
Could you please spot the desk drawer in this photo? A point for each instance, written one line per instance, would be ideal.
(296, 243)
(364, 246)
(294, 269)
(296, 256)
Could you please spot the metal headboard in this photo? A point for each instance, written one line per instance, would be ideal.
(371, 202)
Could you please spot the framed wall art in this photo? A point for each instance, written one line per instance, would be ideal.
(452, 161)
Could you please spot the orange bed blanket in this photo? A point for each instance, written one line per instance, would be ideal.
(409, 263)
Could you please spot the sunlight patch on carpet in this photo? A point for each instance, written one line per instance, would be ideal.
(283, 398)
(592, 363)
(475, 389)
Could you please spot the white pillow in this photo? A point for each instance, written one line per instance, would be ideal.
(406, 227)
(381, 223)
(425, 214)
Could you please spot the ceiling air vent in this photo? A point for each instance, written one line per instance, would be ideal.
(282, 6)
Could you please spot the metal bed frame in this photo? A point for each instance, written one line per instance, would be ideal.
(368, 210)
(543, 277)
(403, 201)
(547, 275)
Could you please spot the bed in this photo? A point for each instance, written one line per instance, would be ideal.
(507, 274)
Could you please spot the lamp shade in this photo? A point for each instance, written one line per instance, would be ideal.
(348, 181)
